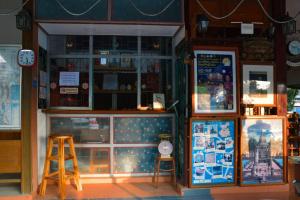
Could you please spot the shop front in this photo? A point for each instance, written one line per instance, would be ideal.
(108, 81)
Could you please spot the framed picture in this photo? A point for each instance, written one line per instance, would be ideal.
(213, 152)
(214, 83)
(258, 84)
(158, 101)
(262, 150)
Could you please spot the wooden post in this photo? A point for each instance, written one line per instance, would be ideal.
(29, 111)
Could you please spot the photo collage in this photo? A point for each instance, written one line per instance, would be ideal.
(213, 143)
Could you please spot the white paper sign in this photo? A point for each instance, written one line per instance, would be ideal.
(69, 78)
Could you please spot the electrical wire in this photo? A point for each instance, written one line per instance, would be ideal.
(152, 14)
(223, 17)
(274, 20)
(78, 14)
(15, 9)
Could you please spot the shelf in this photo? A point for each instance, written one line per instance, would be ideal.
(115, 91)
(99, 68)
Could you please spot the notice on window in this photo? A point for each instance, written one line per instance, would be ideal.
(69, 78)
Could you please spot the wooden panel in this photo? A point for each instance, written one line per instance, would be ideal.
(10, 156)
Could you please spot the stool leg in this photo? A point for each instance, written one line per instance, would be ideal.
(154, 174)
(174, 172)
(75, 165)
(43, 185)
(61, 168)
(157, 174)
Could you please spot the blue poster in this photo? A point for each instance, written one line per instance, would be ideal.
(213, 156)
(214, 82)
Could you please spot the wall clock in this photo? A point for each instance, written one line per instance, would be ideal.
(294, 47)
(26, 57)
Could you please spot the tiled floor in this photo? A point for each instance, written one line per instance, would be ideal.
(139, 191)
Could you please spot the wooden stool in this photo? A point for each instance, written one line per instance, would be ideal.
(157, 169)
(61, 175)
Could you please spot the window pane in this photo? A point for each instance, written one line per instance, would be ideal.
(115, 79)
(115, 45)
(156, 77)
(69, 82)
(84, 130)
(10, 113)
(161, 46)
(90, 160)
(69, 44)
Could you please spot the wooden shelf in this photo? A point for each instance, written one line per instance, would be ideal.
(99, 68)
(115, 91)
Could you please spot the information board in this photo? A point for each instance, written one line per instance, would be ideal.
(212, 152)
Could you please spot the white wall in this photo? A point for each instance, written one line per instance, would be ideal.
(41, 119)
(9, 34)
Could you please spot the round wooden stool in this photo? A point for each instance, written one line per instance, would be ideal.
(62, 174)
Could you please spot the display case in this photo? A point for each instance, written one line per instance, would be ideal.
(113, 144)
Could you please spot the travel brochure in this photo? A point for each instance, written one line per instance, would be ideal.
(213, 144)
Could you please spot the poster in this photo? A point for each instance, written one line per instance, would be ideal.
(10, 90)
(213, 155)
(214, 81)
(262, 151)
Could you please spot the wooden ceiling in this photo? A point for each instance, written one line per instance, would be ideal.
(248, 12)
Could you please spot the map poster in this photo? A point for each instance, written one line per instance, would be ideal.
(213, 152)
(262, 160)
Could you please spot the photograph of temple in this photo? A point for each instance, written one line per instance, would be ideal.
(262, 163)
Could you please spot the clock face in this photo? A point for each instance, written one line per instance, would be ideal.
(294, 47)
(26, 57)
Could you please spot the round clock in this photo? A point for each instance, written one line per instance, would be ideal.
(26, 58)
(165, 148)
(294, 47)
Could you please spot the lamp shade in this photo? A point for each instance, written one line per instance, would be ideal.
(23, 20)
(290, 26)
(202, 23)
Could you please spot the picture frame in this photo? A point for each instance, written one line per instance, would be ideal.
(258, 84)
(262, 153)
(158, 101)
(213, 152)
(215, 81)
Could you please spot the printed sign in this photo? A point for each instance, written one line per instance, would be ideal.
(213, 144)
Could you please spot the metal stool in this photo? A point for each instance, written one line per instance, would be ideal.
(62, 174)
(157, 169)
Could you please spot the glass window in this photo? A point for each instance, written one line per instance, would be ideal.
(84, 130)
(160, 46)
(156, 77)
(115, 45)
(69, 82)
(70, 44)
(10, 81)
(115, 79)
(91, 160)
